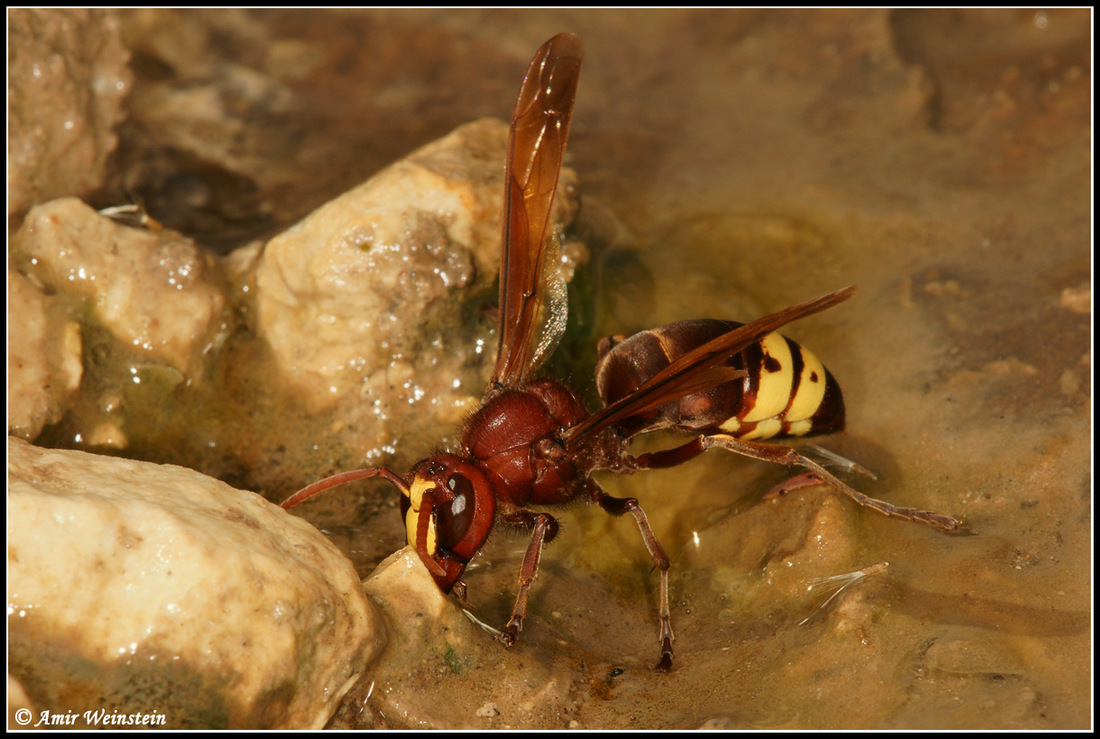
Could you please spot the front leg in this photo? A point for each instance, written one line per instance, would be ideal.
(543, 529)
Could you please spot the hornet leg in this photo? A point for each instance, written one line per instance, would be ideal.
(543, 529)
(618, 507)
(789, 456)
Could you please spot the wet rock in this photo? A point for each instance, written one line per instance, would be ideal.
(68, 77)
(153, 290)
(44, 352)
(150, 589)
(338, 292)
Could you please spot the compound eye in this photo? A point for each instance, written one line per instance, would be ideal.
(453, 518)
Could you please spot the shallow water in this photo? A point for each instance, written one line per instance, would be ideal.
(733, 163)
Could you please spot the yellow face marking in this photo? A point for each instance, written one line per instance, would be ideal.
(811, 389)
(412, 516)
(774, 391)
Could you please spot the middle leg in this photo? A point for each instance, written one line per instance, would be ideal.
(618, 507)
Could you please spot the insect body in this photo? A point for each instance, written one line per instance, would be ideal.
(785, 392)
(532, 443)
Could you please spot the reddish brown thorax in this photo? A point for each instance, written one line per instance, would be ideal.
(516, 439)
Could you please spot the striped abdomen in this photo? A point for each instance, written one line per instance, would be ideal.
(787, 390)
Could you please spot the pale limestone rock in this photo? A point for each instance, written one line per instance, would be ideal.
(154, 290)
(365, 291)
(404, 588)
(44, 351)
(152, 588)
